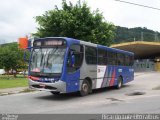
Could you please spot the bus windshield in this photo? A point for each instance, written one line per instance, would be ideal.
(47, 61)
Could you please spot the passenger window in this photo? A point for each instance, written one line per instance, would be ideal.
(102, 57)
(131, 62)
(75, 58)
(120, 59)
(127, 60)
(91, 55)
(112, 56)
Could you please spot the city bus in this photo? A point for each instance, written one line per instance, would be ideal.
(65, 65)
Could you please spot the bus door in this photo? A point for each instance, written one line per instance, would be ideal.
(74, 62)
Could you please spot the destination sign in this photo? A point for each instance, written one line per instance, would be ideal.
(49, 42)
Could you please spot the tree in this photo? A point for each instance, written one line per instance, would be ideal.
(11, 57)
(124, 34)
(76, 21)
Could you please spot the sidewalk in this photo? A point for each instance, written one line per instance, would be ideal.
(139, 73)
(8, 91)
(142, 73)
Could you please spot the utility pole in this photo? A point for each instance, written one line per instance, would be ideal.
(142, 38)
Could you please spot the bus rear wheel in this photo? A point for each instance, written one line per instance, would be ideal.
(85, 88)
(120, 83)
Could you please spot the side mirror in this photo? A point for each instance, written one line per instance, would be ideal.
(72, 60)
(26, 56)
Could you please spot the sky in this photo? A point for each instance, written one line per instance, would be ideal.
(17, 16)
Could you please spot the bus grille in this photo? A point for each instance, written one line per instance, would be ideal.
(45, 87)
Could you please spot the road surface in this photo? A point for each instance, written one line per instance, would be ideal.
(108, 100)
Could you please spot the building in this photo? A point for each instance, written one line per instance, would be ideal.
(147, 54)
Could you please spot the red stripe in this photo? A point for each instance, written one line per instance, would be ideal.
(113, 77)
(33, 78)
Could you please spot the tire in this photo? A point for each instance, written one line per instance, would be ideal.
(85, 88)
(55, 93)
(120, 83)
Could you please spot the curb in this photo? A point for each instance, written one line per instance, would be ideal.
(10, 91)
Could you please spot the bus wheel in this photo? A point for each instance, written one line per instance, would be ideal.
(55, 93)
(85, 88)
(120, 83)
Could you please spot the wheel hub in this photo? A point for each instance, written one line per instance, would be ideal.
(85, 87)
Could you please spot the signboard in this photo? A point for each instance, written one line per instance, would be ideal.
(49, 42)
(23, 43)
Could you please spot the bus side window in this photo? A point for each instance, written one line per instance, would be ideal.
(127, 60)
(131, 61)
(102, 57)
(91, 55)
(75, 58)
(112, 58)
(121, 59)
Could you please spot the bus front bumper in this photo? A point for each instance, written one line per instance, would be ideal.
(58, 86)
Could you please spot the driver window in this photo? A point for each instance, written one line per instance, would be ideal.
(75, 58)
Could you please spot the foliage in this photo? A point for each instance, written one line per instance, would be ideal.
(20, 81)
(76, 21)
(124, 34)
(11, 57)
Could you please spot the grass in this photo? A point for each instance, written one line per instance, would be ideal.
(11, 82)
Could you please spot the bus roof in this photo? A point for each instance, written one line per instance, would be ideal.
(100, 46)
(70, 40)
(116, 50)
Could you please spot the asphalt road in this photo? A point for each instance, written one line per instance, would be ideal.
(108, 100)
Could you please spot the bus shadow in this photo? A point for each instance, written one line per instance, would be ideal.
(76, 95)
(60, 97)
(108, 89)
